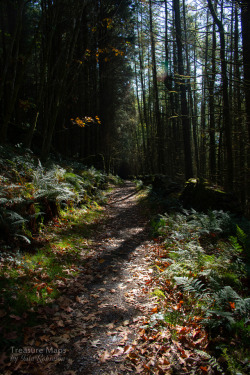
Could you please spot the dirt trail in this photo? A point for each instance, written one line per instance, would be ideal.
(102, 308)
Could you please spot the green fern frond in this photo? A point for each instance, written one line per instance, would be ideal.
(14, 218)
(211, 360)
(235, 244)
(241, 235)
(192, 285)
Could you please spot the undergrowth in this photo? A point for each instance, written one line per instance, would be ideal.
(203, 292)
(47, 216)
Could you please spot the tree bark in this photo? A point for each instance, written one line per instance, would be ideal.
(182, 87)
(159, 135)
(226, 106)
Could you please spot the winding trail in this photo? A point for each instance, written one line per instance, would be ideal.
(103, 307)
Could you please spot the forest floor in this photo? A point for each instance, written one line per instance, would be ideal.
(99, 277)
(116, 312)
(91, 327)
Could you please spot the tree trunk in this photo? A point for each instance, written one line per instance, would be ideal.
(245, 17)
(182, 87)
(159, 135)
(226, 107)
(212, 148)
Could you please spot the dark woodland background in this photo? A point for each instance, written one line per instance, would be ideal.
(132, 87)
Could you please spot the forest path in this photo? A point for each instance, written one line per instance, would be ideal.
(105, 304)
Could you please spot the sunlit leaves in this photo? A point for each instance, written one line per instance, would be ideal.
(107, 22)
(87, 120)
(108, 53)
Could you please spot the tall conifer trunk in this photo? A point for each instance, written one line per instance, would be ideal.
(159, 137)
(227, 119)
(182, 86)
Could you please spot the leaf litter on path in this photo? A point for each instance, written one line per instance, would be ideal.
(96, 325)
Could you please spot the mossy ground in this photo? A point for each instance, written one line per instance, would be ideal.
(34, 278)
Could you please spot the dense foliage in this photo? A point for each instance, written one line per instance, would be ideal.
(47, 215)
(33, 194)
(201, 282)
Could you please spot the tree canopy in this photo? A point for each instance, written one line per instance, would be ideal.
(135, 87)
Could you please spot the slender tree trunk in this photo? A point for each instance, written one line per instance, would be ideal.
(184, 106)
(239, 126)
(141, 121)
(245, 17)
(203, 144)
(190, 94)
(195, 117)
(159, 137)
(212, 148)
(226, 106)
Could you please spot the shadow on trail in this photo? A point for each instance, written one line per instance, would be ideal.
(118, 246)
(122, 252)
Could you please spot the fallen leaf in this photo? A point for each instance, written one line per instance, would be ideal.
(54, 344)
(203, 368)
(68, 309)
(127, 349)
(139, 369)
(104, 356)
(44, 338)
(95, 343)
(62, 339)
(95, 295)
(90, 317)
(117, 352)
(78, 299)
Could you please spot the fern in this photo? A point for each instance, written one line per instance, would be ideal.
(50, 184)
(241, 235)
(223, 300)
(216, 304)
(212, 222)
(235, 244)
(193, 286)
(11, 218)
(12, 224)
(212, 361)
(76, 181)
(15, 219)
